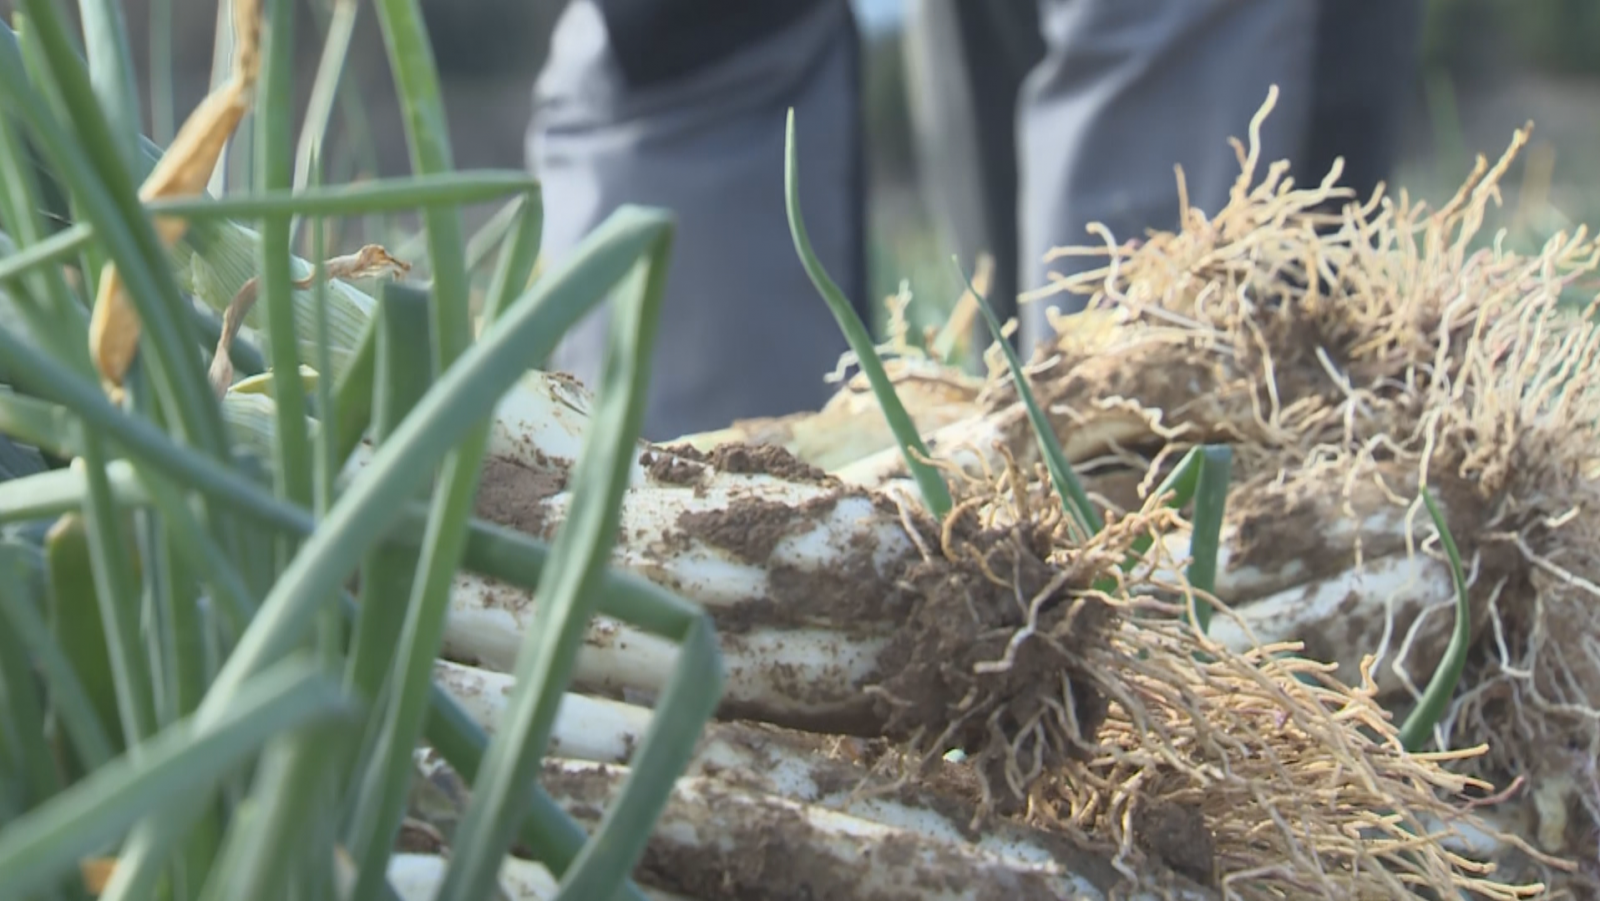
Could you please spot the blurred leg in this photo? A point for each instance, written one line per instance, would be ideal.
(1127, 90)
(1367, 58)
(743, 332)
(965, 62)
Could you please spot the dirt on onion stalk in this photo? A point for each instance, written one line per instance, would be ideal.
(839, 610)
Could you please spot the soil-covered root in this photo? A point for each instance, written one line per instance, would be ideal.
(717, 840)
(1321, 346)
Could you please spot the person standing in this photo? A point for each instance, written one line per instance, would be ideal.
(681, 104)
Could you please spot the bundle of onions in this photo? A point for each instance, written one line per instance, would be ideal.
(843, 609)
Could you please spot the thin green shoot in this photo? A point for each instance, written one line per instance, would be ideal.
(1073, 498)
(935, 493)
(47, 842)
(1418, 727)
(1205, 536)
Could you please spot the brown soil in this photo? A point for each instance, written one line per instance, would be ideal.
(766, 458)
(1175, 833)
(673, 469)
(749, 527)
(850, 596)
(777, 855)
(966, 613)
(1283, 523)
(513, 496)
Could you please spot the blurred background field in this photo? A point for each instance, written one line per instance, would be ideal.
(1489, 67)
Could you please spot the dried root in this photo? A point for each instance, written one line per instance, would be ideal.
(1353, 358)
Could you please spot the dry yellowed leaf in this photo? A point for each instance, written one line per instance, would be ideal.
(114, 325)
(370, 261)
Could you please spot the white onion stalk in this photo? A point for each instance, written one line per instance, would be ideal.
(797, 766)
(418, 877)
(787, 659)
(1288, 569)
(850, 426)
(721, 837)
(1394, 603)
(801, 574)
(781, 561)
(1320, 536)
(972, 444)
(807, 678)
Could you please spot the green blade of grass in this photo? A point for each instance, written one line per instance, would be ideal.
(111, 72)
(463, 396)
(45, 253)
(75, 617)
(20, 696)
(292, 451)
(935, 493)
(498, 552)
(59, 492)
(332, 638)
(518, 256)
(427, 138)
(182, 759)
(117, 590)
(1418, 727)
(402, 336)
(688, 702)
(494, 233)
(549, 651)
(1178, 488)
(353, 394)
(512, 557)
(386, 788)
(53, 315)
(424, 191)
(554, 837)
(100, 183)
(113, 587)
(262, 854)
(1210, 504)
(201, 553)
(69, 699)
(388, 571)
(45, 378)
(187, 556)
(1062, 477)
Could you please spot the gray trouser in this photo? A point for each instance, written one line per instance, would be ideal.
(1125, 90)
(743, 332)
(1129, 89)
(967, 61)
